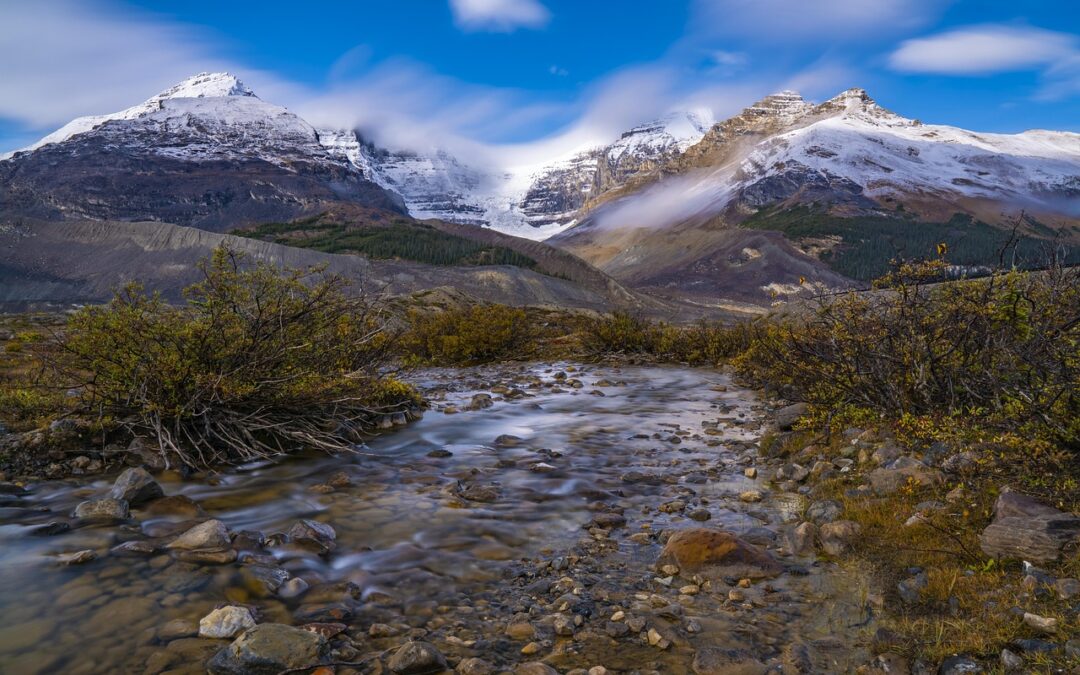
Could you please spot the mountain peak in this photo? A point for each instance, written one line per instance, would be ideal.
(784, 103)
(207, 85)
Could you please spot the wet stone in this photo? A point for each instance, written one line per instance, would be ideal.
(226, 622)
(135, 486)
(416, 658)
(106, 509)
(269, 649)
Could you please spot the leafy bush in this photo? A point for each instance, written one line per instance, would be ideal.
(1002, 352)
(476, 334)
(259, 361)
(703, 342)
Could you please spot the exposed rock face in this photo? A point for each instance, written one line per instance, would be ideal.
(702, 548)
(1025, 529)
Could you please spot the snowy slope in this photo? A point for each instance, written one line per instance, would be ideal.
(889, 155)
(203, 85)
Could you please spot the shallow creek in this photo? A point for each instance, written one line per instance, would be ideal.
(431, 564)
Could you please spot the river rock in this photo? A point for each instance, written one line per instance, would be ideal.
(76, 558)
(269, 649)
(209, 535)
(800, 539)
(175, 505)
(484, 494)
(136, 486)
(138, 548)
(416, 658)
(793, 472)
(787, 416)
(720, 551)
(535, 668)
(836, 537)
(717, 661)
(226, 622)
(103, 509)
(1023, 528)
(475, 666)
(313, 534)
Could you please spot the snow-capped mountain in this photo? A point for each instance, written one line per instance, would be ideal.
(206, 152)
(933, 168)
(534, 202)
(845, 158)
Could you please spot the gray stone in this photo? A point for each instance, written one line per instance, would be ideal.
(836, 537)
(1025, 529)
(209, 535)
(416, 658)
(535, 668)
(1010, 661)
(717, 661)
(136, 486)
(226, 622)
(475, 666)
(901, 472)
(268, 649)
(957, 665)
(825, 511)
(787, 416)
(800, 539)
(1067, 589)
(314, 534)
(910, 589)
(103, 509)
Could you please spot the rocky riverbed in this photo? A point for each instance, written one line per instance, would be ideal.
(540, 518)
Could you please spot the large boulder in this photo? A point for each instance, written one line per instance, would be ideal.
(269, 649)
(136, 486)
(716, 550)
(1026, 529)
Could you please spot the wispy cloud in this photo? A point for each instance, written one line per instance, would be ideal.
(499, 16)
(68, 58)
(818, 21)
(981, 50)
(993, 48)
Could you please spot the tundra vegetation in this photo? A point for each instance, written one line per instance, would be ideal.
(258, 362)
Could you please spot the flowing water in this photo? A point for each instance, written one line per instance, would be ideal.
(415, 553)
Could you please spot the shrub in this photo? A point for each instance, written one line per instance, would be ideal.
(1002, 352)
(476, 334)
(703, 342)
(257, 362)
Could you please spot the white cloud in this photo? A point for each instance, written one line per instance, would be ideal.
(814, 20)
(980, 50)
(66, 58)
(499, 16)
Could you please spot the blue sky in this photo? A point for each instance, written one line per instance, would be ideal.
(544, 74)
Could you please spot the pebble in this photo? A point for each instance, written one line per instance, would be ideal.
(1043, 624)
